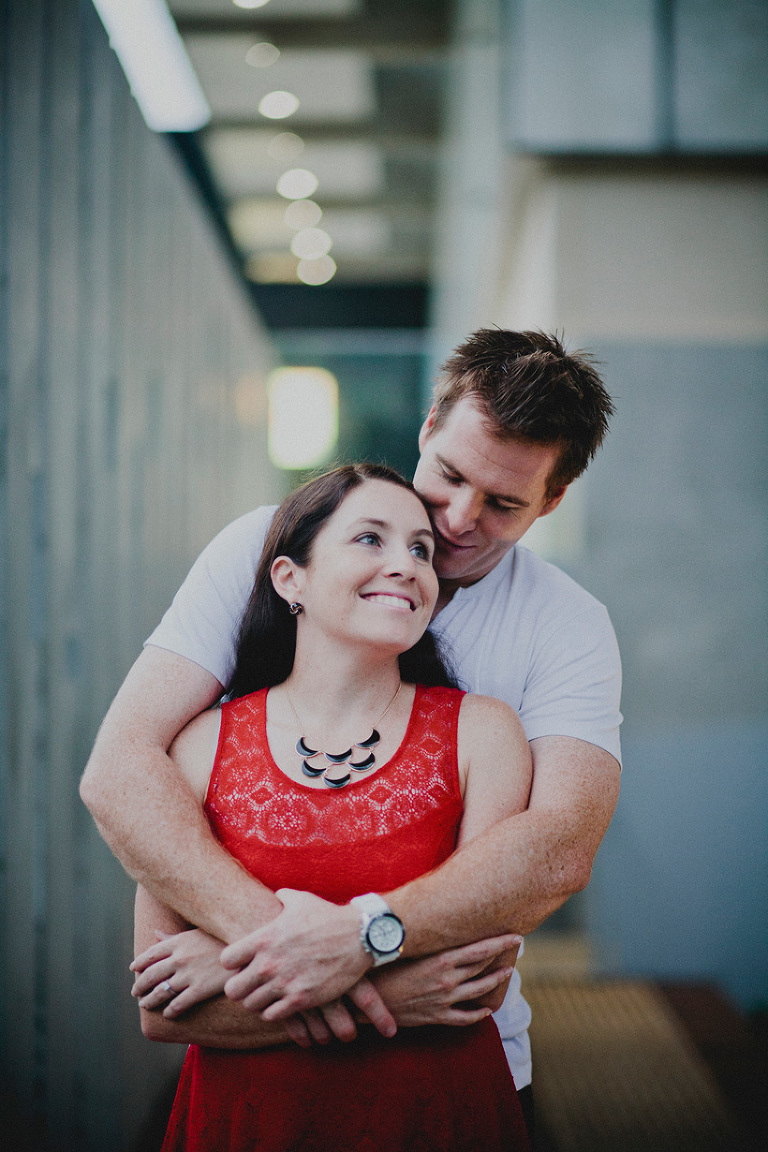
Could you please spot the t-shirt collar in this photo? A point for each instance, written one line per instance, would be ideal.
(482, 587)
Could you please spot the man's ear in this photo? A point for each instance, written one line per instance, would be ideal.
(286, 578)
(427, 427)
(553, 501)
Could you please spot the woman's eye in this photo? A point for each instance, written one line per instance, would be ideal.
(421, 551)
(368, 538)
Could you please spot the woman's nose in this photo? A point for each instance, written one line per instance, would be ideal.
(401, 562)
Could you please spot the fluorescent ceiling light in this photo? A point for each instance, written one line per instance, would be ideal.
(154, 59)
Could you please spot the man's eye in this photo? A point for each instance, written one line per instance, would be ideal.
(500, 507)
(450, 478)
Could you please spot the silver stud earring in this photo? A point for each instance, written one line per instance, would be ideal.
(295, 609)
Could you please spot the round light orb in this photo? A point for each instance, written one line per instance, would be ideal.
(311, 243)
(316, 271)
(250, 3)
(285, 146)
(297, 184)
(262, 55)
(303, 214)
(303, 416)
(277, 105)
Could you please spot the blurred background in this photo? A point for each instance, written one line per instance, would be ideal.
(235, 244)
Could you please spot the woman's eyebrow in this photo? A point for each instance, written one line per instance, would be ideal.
(385, 524)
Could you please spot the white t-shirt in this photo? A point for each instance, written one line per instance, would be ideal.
(526, 633)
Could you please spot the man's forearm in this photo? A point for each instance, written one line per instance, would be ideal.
(514, 875)
(146, 811)
(218, 1023)
(508, 879)
(156, 828)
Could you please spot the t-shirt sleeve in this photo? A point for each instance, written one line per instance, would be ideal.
(573, 687)
(203, 621)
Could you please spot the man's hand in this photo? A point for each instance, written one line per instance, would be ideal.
(309, 955)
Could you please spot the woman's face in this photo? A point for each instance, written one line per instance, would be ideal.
(370, 576)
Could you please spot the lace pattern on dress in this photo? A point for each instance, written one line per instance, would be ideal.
(250, 798)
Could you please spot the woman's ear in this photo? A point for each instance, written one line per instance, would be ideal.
(287, 578)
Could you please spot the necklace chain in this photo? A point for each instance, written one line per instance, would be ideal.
(337, 760)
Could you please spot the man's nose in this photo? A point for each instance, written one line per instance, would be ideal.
(463, 512)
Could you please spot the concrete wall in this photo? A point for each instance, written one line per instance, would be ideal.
(662, 271)
(657, 261)
(126, 345)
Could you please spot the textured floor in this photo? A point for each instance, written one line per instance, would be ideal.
(616, 1071)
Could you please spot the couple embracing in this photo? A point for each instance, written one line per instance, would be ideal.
(350, 805)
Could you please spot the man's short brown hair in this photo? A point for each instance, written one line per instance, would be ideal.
(530, 389)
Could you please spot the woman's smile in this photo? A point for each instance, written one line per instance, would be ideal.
(390, 600)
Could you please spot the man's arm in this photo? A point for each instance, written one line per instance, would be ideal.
(456, 988)
(146, 811)
(520, 871)
(154, 823)
(507, 879)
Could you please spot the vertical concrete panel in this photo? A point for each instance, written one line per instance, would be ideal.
(123, 334)
(67, 682)
(24, 888)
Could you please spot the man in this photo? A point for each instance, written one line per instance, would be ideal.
(515, 420)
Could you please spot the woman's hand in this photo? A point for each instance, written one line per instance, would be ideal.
(449, 987)
(180, 970)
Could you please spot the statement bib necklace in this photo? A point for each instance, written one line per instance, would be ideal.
(336, 773)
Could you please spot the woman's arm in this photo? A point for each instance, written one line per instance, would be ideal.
(495, 763)
(217, 1022)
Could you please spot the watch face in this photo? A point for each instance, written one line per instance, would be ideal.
(385, 933)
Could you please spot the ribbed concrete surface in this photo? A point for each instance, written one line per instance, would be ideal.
(616, 1072)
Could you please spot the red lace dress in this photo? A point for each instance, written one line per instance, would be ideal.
(431, 1089)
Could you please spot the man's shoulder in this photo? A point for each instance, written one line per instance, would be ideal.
(245, 534)
(255, 520)
(539, 580)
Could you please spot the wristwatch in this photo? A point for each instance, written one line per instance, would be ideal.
(381, 932)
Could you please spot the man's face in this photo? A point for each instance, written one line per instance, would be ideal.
(483, 493)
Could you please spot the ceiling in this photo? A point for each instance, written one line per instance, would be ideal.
(367, 79)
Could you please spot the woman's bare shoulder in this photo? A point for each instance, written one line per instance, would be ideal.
(194, 749)
(478, 712)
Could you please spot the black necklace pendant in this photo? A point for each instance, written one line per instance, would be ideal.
(363, 765)
(335, 759)
(338, 757)
(308, 770)
(330, 783)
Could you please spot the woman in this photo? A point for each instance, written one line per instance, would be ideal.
(334, 655)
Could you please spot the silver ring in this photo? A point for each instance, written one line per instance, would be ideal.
(167, 987)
